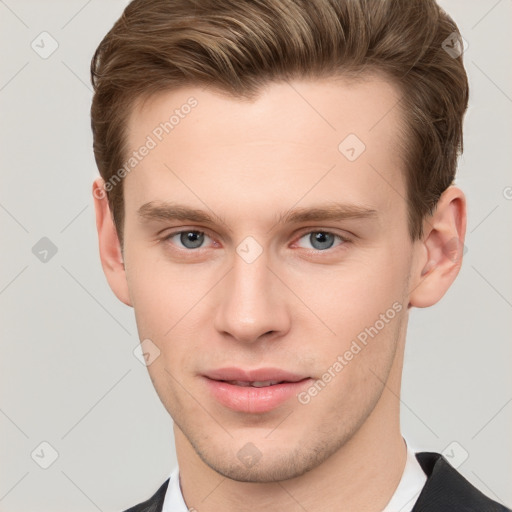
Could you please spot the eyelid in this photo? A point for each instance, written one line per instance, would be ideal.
(185, 230)
(346, 237)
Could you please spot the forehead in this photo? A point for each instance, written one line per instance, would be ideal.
(304, 140)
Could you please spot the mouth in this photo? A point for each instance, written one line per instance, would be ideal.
(254, 384)
(254, 391)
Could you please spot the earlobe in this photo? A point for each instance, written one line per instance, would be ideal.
(110, 249)
(439, 254)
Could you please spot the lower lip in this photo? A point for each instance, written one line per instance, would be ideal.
(251, 399)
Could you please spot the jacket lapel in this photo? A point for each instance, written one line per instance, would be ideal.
(446, 490)
(155, 503)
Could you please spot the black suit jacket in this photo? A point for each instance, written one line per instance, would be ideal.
(445, 490)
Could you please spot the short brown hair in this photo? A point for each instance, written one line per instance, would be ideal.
(237, 46)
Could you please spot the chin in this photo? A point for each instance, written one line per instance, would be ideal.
(266, 466)
(269, 472)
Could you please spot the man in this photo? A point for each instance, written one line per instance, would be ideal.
(276, 194)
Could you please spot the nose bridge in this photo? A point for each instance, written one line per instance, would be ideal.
(250, 304)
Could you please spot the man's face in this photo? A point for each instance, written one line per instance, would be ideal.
(254, 289)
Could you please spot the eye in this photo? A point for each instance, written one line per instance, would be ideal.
(321, 240)
(190, 239)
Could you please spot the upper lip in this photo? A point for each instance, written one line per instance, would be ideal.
(254, 375)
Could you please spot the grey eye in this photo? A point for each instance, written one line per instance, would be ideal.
(320, 240)
(190, 239)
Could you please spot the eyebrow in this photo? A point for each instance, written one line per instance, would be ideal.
(167, 211)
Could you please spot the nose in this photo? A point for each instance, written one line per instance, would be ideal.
(253, 302)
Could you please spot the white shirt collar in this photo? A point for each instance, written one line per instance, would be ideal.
(410, 485)
(405, 496)
(174, 501)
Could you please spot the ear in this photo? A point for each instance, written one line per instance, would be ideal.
(110, 249)
(438, 256)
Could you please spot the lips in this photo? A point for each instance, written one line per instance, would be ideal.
(255, 384)
(254, 391)
(274, 375)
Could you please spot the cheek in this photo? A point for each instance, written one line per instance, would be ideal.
(364, 304)
(159, 290)
(167, 301)
(353, 295)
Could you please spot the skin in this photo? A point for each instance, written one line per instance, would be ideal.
(295, 307)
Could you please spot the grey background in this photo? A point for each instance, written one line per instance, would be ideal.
(67, 369)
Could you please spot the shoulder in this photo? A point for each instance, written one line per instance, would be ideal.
(155, 503)
(447, 490)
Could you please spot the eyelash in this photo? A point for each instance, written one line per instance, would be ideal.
(345, 240)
